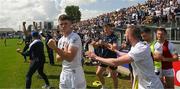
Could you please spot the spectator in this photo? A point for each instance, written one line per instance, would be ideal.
(165, 51)
(177, 15)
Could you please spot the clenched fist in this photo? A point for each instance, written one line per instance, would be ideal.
(19, 50)
(24, 23)
(90, 54)
(52, 44)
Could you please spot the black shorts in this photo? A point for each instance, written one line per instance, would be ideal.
(105, 66)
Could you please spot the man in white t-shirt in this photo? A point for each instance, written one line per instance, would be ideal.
(69, 50)
(140, 58)
(158, 12)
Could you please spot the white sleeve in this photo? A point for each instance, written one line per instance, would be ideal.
(172, 48)
(59, 43)
(136, 54)
(75, 41)
(158, 48)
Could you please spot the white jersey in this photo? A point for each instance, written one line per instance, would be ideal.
(74, 40)
(158, 13)
(72, 75)
(143, 69)
(171, 3)
(158, 48)
(166, 11)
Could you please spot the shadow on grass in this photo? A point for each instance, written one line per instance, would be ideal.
(90, 72)
(46, 62)
(52, 88)
(91, 87)
(124, 77)
(53, 76)
(59, 65)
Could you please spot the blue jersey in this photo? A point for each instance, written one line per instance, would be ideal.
(36, 51)
(106, 53)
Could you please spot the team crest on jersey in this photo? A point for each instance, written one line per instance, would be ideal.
(74, 40)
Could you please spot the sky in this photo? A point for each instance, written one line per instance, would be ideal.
(14, 12)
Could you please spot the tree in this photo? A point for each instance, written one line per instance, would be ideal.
(74, 12)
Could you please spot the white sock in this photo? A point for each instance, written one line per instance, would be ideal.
(103, 86)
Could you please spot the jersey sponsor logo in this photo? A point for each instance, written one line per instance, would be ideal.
(74, 40)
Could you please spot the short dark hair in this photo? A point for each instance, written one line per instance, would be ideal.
(65, 17)
(136, 32)
(161, 29)
(145, 30)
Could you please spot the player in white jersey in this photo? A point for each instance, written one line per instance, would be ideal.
(69, 50)
(140, 58)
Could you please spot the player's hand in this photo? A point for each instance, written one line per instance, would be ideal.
(18, 50)
(34, 23)
(66, 48)
(24, 23)
(100, 42)
(110, 47)
(30, 61)
(90, 54)
(123, 45)
(157, 56)
(58, 58)
(52, 44)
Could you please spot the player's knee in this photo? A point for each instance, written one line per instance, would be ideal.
(41, 73)
(99, 73)
(114, 76)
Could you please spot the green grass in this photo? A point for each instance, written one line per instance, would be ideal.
(13, 70)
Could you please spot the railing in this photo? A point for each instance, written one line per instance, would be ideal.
(173, 33)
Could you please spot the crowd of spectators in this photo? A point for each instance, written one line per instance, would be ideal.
(152, 12)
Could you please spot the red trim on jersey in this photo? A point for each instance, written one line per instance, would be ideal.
(166, 54)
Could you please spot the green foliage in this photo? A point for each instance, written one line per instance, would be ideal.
(74, 12)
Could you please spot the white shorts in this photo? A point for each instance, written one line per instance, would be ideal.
(72, 79)
(168, 72)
